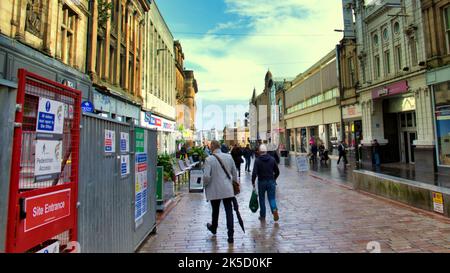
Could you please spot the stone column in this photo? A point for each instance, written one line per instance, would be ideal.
(93, 40)
(424, 150)
(20, 20)
(47, 40)
(119, 46)
(107, 48)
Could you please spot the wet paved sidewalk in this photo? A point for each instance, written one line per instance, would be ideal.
(315, 216)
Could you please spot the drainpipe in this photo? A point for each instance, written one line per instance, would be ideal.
(341, 89)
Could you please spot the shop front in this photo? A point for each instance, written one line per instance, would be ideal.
(166, 140)
(399, 121)
(352, 117)
(319, 127)
(439, 82)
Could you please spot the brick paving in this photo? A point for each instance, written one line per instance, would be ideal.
(316, 215)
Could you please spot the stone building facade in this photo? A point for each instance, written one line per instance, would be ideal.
(115, 59)
(436, 17)
(395, 100)
(47, 37)
(159, 80)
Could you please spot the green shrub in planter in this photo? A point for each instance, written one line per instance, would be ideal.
(166, 161)
(198, 154)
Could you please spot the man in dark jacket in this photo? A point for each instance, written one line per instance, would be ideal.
(248, 157)
(236, 153)
(342, 153)
(266, 170)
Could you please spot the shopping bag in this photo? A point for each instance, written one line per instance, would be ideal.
(254, 205)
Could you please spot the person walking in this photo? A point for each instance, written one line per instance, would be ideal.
(266, 170)
(219, 188)
(248, 158)
(342, 153)
(236, 153)
(224, 148)
(376, 152)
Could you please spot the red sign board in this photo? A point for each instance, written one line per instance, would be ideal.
(391, 90)
(46, 208)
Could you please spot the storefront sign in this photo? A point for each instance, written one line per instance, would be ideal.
(47, 161)
(110, 141)
(154, 122)
(50, 117)
(352, 111)
(124, 142)
(397, 105)
(391, 90)
(438, 202)
(46, 208)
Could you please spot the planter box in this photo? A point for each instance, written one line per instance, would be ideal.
(169, 190)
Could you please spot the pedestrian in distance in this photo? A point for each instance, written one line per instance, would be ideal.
(236, 153)
(376, 152)
(272, 151)
(342, 153)
(219, 188)
(248, 158)
(224, 148)
(267, 172)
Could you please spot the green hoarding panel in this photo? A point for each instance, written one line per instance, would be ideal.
(159, 184)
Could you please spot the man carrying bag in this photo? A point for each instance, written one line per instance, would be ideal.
(219, 176)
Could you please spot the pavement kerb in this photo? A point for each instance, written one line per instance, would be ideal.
(393, 202)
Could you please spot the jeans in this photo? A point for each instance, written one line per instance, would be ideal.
(247, 163)
(227, 203)
(268, 186)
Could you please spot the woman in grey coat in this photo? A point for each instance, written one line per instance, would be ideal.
(218, 187)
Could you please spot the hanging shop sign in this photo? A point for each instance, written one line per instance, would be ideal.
(391, 90)
(50, 117)
(110, 141)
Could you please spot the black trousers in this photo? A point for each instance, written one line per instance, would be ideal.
(247, 163)
(238, 168)
(342, 156)
(227, 203)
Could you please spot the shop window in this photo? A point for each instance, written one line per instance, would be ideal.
(377, 67)
(413, 49)
(398, 58)
(447, 27)
(68, 28)
(396, 28)
(387, 62)
(442, 112)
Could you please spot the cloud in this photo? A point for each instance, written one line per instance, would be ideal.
(285, 36)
